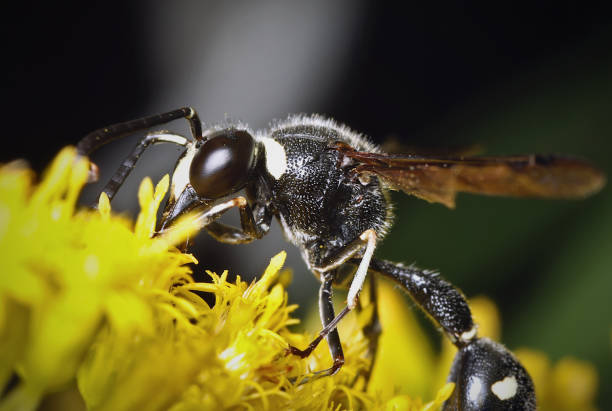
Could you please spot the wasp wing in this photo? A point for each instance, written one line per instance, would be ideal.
(439, 179)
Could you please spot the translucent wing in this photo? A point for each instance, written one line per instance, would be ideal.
(439, 179)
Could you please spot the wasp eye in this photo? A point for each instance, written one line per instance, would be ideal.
(222, 164)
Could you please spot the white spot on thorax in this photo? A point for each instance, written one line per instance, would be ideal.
(475, 388)
(364, 179)
(276, 158)
(505, 388)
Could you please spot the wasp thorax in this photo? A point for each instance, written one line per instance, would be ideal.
(223, 164)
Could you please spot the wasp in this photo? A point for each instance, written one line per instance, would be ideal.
(328, 187)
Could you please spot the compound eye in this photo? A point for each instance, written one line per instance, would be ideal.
(223, 164)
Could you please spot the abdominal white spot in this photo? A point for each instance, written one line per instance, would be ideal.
(469, 335)
(506, 388)
(276, 159)
(475, 388)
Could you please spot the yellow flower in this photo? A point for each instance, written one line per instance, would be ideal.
(569, 384)
(65, 272)
(86, 295)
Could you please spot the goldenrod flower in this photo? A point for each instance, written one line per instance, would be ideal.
(65, 272)
(87, 295)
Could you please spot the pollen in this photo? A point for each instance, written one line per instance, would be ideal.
(91, 265)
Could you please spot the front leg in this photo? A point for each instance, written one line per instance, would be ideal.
(486, 374)
(250, 228)
(207, 215)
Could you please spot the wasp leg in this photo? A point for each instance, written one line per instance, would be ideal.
(367, 239)
(486, 374)
(251, 229)
(372, 329)
(96, 139)
(206, 216)
(326, 311)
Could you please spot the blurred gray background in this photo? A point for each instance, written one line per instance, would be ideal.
(516, 79)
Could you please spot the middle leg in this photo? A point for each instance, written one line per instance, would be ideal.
(326, 312)
(327, 272)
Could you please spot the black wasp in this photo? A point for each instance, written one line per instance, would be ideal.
(328, 188)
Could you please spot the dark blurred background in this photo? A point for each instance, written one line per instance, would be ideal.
(510, 78)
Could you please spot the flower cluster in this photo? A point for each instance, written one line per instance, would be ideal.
(87, 296)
